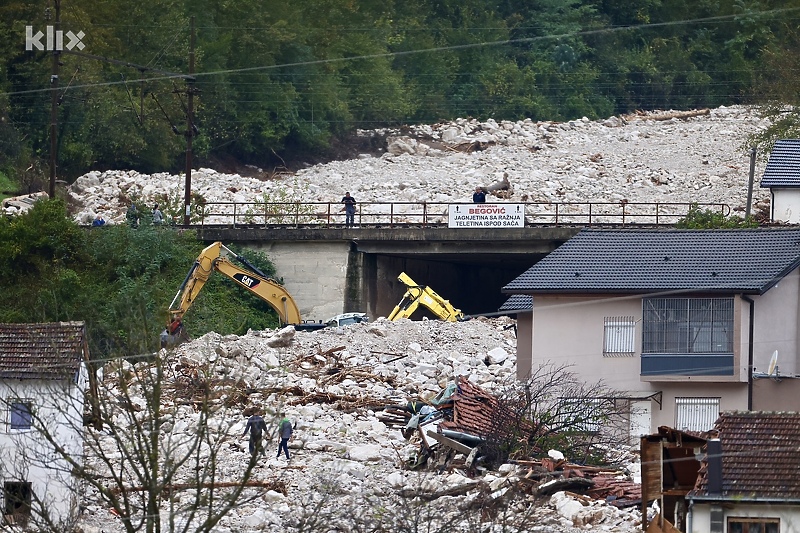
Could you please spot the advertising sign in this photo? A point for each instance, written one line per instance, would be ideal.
(486, 216)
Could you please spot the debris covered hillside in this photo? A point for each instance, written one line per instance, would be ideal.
(343, 388)
(647, 157)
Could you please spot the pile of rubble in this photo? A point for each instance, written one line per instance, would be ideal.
(338, 386)
(648, 157)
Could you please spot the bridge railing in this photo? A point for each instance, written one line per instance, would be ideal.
(435, 214)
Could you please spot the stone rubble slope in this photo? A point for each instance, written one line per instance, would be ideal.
(351, 448)
(634, 159)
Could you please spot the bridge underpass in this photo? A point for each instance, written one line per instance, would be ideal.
(471, 280)
(334, 270)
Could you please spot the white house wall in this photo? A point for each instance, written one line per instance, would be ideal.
(786, 205)
(789, 515)
(26, 456)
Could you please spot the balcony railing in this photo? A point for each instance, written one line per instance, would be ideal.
(435, 214)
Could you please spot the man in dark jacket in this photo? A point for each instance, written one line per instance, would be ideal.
(349, 210)
(479, 197)
(256, 426)
(285, 433)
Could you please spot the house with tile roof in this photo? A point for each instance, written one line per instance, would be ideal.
(682, 323)
(782, 177)
(43, 382)
(748, 478)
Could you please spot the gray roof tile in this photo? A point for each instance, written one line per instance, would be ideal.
(783, 166)
(646, 260)
(41, 351)
(517, 302)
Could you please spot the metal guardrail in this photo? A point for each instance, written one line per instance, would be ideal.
(435, 214)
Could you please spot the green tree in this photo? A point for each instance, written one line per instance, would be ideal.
(117, 279)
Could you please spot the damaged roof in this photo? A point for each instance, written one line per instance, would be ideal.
(760, 457)
(41, 351)
(476, 411)
(635, 261)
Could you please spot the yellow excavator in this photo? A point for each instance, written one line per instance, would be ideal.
(251, 278)
(417, 295)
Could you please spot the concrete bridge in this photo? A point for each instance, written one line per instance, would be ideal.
(334, 270)
(330, 269)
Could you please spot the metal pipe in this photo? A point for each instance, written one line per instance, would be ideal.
(750, 356)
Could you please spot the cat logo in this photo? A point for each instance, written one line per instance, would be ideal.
(246, 280)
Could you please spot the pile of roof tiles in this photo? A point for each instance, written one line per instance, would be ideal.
(472, 413)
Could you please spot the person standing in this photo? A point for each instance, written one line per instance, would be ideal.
(256, 426)
(158, 217)
(285, 433)
(349, 209)
(133, 215)
(479, 197)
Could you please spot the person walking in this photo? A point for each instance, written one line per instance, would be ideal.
(158, 216)
(285, 433)
(479, 197)
(256, 426)
(349, 209)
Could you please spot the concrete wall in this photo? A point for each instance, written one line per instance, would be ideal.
(314, 273)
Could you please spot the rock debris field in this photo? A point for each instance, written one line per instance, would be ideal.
(345, 458)
(636, 159)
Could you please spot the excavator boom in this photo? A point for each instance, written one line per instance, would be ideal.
(251, 278)
(417, 295)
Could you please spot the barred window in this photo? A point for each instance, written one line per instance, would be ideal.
(619, 336)
(583, 415)
(696, 414)
(687, 325)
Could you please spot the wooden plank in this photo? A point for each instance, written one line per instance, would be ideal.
(450, 443)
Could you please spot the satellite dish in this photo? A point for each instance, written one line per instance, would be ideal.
(773, 364)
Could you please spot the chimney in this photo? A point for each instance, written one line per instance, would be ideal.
(714, 468)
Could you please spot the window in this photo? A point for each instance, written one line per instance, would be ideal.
(21, 414)
(619, 336)
(687, 325)
(17, 497)
(754, 525)
(696, 414)
(583, 415)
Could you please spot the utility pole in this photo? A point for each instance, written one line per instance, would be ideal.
(187, 199)
(750, 182)
(54, 96)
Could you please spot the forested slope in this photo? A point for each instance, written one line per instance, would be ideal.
(281, 80)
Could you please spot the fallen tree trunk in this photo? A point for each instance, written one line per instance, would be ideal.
(277, 486)
(458, 490)
(673, 114)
